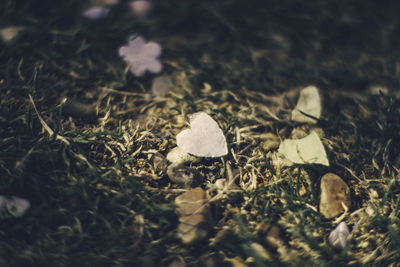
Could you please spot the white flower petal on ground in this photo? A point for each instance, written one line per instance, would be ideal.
(338, 237)
(310, 103)
(13, 207)
(134, 45)
(152, 49)
(308, 150)
(96, 12)
(142, 56)
(204, 139)
(155, 67)
(138, 69)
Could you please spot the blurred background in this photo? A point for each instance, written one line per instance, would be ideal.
(261, 45)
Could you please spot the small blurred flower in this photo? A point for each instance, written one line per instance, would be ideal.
(140, 8)
(338, 237)
(96, 12)
(142, 56)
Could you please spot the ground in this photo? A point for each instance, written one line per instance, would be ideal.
(98, 196)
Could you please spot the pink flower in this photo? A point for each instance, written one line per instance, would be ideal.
(142, 56)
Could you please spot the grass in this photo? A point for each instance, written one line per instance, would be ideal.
(99, 192)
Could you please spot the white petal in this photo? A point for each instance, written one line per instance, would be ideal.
(141, 56)
(138, 69)
(123, 51)
(13, 207)
(154, 66)
(310, 103)
(152, 49)
(136, 43)
(204, 139)
(338, 237)
(96, 12)
(18, 206)
(308, 150)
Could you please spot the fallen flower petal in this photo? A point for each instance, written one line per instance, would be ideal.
(142, 56)
(13, 207)
(96, 12)
(204, 139)
(338, 237)
(310, 103)
(308, 150)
